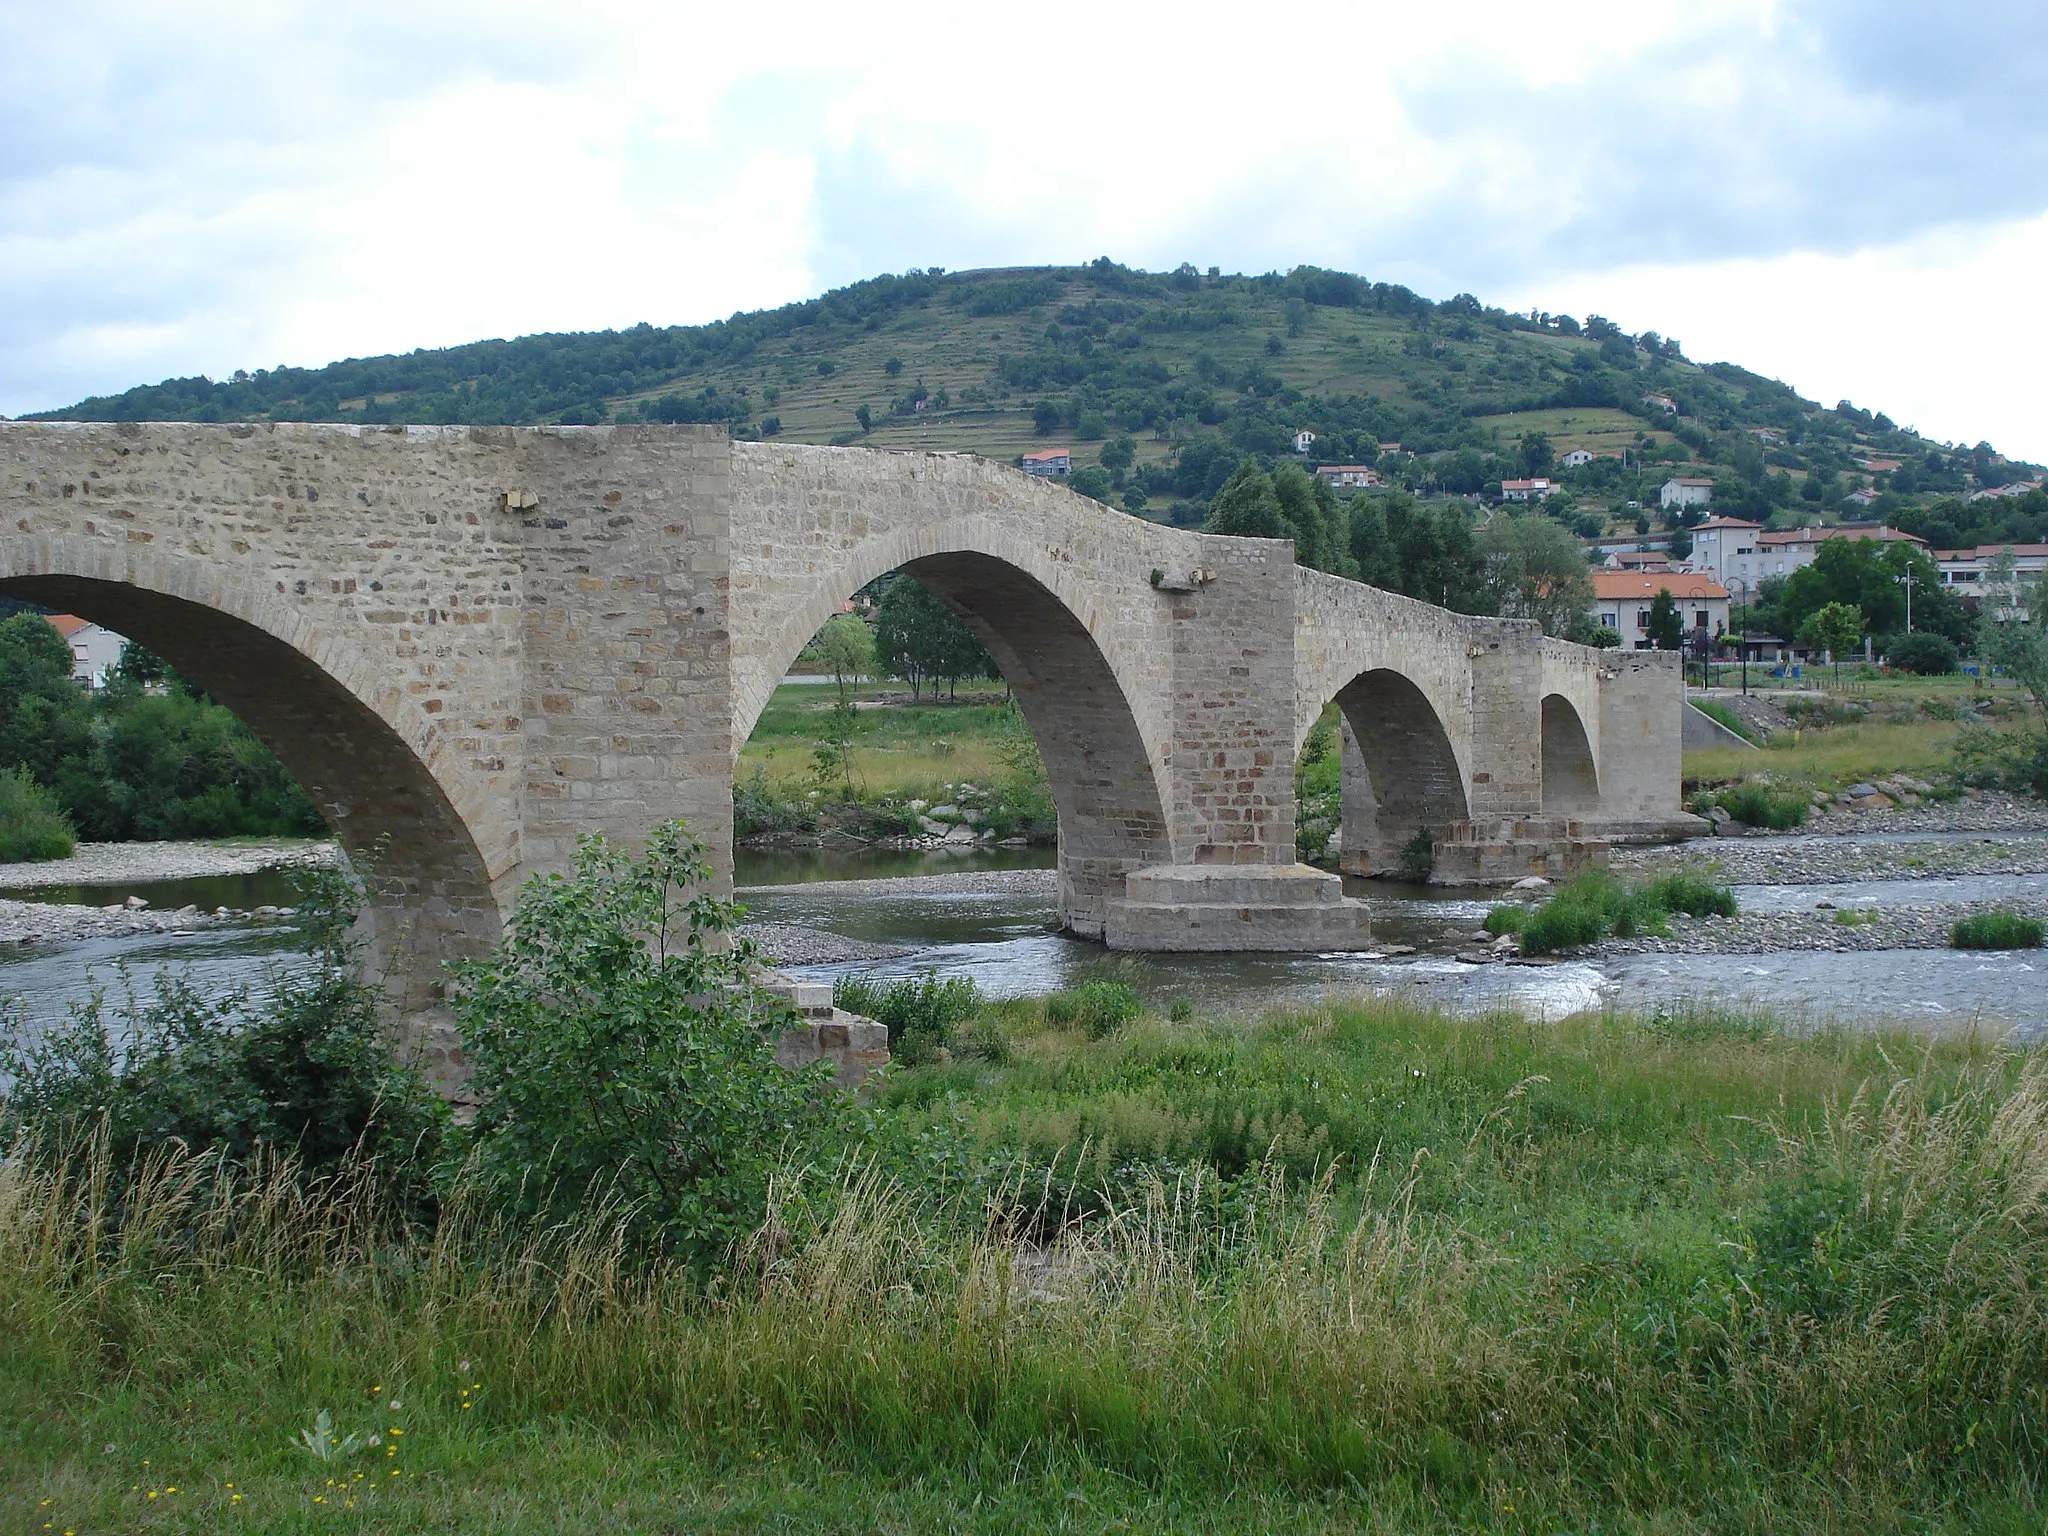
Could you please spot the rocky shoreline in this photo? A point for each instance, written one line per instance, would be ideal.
(49, 922)
(148, 863)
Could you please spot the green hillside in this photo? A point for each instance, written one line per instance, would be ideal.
(1196, 370)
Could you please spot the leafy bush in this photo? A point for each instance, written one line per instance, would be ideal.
(1098, 1007)
(920, 1005)
(297, 1068)
(1926, 654)
(1987, 758)
(1417, 859)
(32, 825)
(622, 1053)
(1996, 930)
(1756, 804)
(1566, 921)
(758, 812)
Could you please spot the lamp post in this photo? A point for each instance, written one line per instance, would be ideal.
(1741, 586)
(1906, 580)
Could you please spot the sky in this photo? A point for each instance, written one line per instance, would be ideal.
(1850, 195)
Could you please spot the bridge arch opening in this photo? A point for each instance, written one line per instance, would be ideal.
(1104, 787)
(1401, 773)
(1571, 781)
(431, 893)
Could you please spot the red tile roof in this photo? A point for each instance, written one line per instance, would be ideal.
(67, 624)
(1620, 586)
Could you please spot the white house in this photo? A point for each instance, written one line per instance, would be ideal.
(1576, 458)
(1525, 490)
(1686, 491)
(1622, 602)
(1662, 403)
(1725, 548)
(1347, 476)
(1977, 576)
(93, 650)
(1304, 440)
(1053, 461)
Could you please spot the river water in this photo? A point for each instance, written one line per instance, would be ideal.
(1003, 942)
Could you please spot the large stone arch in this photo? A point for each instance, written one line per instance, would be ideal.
(1105, 785)
(1402, 772)
(382, 772)
(1571, 780)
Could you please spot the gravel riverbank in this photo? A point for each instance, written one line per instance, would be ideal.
(966, 882)
(48, 922)
(147, 863)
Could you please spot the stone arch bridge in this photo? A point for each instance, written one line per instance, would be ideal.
(473, 644)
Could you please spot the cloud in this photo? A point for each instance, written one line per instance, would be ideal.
(230, 184)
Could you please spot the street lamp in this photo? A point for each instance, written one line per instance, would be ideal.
(1741, 586)
(1906, 580)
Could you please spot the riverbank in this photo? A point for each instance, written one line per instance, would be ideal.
(1614, 1209)
(152, 863)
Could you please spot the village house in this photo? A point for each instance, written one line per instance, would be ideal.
(1638, 560)
(1622, 602)
(1347, 477)
(1686, 491)
(1980, 577)
(94, 650)
(1792, 549)
(1662, 403)
(1576, 458)
(1525, 490)
(1304, 440)
(1053, 461)
(1741, 554)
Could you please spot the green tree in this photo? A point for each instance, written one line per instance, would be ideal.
(845, 648)
(1537, 571)
(1537, 457)
(921, 640)
(1118, 452)
(1667, 629)
(893, 367)
(1289, 503)
(1834, 628)
(866, 418)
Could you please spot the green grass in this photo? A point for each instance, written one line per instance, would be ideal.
(900, 751)
(1595, 905)
(1723, 716)
(1996, 930)
(1362, 1268)
(1836, 756)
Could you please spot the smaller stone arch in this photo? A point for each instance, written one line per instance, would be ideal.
(1571, 779)
(1401, 771)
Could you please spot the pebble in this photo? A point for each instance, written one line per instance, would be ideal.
(148, 863)
(793, 944)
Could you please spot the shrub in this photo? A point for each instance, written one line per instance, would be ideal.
(1756, 804)
(1417, 859)
(1576, 915)
(298, 1067)
(1993, 759)
(756, 812)
(1996, 930)
(1509, 917)
(1098, 1007)
(32, 825)
(1929, 655)
(622, 1054)
(920, 1005)
(1182, 1011)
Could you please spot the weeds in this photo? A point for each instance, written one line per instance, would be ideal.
(1996, 930)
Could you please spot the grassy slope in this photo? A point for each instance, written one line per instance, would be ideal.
(1554, 1316)
(907, 749)
(1440, 380)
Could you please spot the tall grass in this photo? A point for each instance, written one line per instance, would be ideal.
(32, 825)
(1811, 1296)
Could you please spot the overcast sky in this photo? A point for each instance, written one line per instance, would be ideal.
(1849, 194)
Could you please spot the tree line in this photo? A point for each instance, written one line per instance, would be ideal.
(147, 757)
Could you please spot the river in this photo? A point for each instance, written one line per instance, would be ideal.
(1003, 941)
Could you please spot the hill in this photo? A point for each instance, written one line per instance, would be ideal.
(1160, 383)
